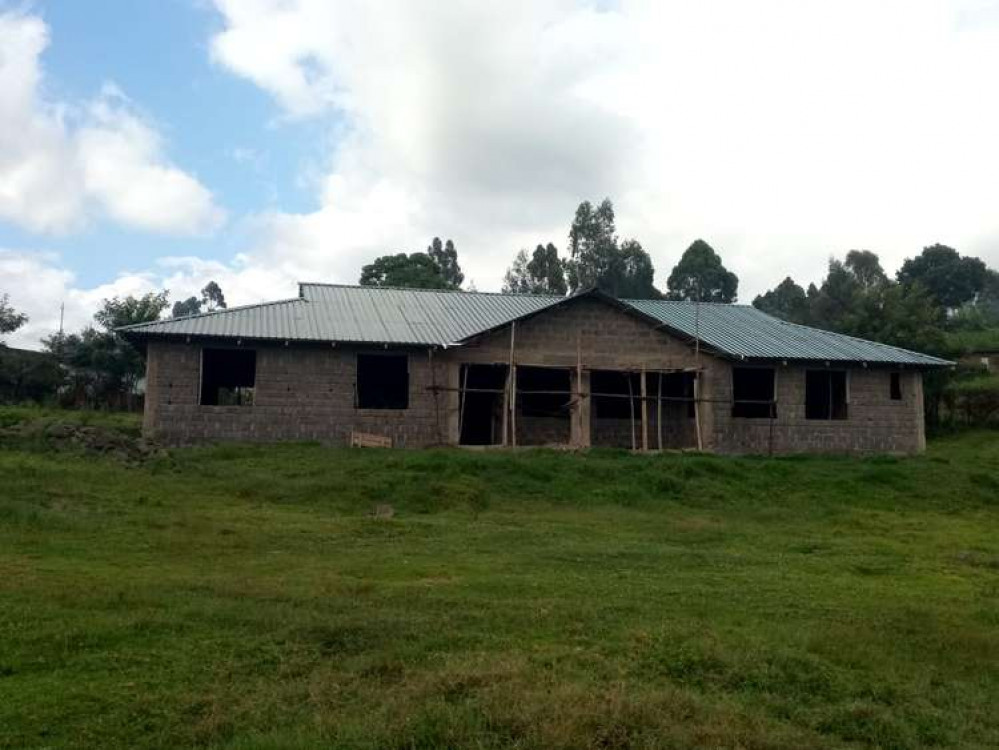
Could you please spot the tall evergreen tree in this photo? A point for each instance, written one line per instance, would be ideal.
(866, 268)
(445, 256)
(541, 273)
(950, 278)
(786, 301)
(700, 275)
(596, 259)
(189, 306)
(212, 297)
(415, 271)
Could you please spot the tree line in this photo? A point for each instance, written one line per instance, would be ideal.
(93, 367)
(928, 305)
(597, 258)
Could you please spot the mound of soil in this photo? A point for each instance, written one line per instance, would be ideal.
(75, 437)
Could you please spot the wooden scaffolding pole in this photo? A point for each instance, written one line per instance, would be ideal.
(645, 413)
(697, 409)
(659, 409)
(631, 404)
(512, 380)
(462, 396)
(578, 395)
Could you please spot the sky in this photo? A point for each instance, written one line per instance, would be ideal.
(160, 144)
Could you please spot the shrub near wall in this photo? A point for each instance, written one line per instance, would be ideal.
(28, 376)
(974, 400)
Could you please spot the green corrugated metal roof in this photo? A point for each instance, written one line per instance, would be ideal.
(356, 314)
(744, 332)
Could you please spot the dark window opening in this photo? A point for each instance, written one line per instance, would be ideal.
(753, 393)
(611, 390)
(896, 386)
(382, 381)
(543, 392)
(228, 377)
(677, 390)
(480, 412)
(825, 394)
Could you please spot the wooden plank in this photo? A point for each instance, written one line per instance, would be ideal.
(369, 440)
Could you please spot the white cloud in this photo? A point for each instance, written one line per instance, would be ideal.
(61, 166)
(39, 284)
(780, 132)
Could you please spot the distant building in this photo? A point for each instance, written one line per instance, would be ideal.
(415, 368)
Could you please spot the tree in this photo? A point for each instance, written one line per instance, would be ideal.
(700, 275)
(446, 259)
(951, 279)
(101, 367)
(832, 304)
(117, 312)
(866, 268)
(596, 259)
(414, 271)
(904, 315)
(10, 319)
(636, 279)
(212, 297)
(786, 301)
(542, 273)
(189, 306)
(593, 250)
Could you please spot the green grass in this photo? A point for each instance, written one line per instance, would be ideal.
(129, 423)
(243, 597)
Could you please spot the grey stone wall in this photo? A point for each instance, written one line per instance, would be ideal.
(307, 393)
(301, 393)
(875, 423)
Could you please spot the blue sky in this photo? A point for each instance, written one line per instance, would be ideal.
(222, 129)
(160, 144)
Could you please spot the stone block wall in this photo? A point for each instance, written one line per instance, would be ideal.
(301, 393)
(307, 393)
(604, 338)
(875, 423)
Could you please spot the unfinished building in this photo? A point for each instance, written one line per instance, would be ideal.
(415, 368)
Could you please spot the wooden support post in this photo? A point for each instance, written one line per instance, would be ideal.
(462, 396)
(697, 409)
(645, 413)
(437, 399)
(512, 379)
(631, 404)
(578, 442)
(659, 409)
(506, 409)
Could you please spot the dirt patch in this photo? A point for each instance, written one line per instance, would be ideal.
(63, 436)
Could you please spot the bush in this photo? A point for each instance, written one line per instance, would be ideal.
(974, 399)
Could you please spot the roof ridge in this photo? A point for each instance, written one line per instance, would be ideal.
(219, 311)
(421, 289)
(630, 300)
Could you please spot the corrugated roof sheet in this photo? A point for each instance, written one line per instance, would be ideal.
(744, 332)
(376, 315)
(355, 314)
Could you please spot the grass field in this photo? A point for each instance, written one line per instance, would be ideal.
(245, 597)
